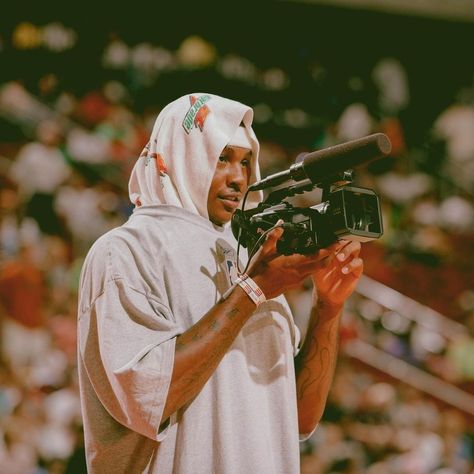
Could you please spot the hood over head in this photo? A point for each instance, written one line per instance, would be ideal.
(177, 165)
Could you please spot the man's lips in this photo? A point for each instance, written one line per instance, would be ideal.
(230, 202)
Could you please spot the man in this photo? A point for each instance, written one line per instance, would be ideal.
(184, 367)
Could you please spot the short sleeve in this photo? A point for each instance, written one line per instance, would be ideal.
(127, 343)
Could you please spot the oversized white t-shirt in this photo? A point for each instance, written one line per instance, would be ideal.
(143, 284)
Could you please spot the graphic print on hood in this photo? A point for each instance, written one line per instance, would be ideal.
(177, 165)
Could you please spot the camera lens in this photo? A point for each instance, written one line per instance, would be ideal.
(360, 212)
(354, 213)
(357, 219)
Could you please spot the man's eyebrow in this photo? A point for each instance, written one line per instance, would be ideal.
(228, 148)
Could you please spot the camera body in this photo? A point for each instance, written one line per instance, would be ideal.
(345, 212)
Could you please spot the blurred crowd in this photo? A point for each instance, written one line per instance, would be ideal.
(64, 168)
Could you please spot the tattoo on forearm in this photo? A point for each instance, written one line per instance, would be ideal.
(309, 378)
(192, 382)
(214, 325)
(314, 365)
(232, 313)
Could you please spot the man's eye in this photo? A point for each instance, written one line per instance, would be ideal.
(222, 158)
(245, 163)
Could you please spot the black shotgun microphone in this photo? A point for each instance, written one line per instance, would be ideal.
(321, 164)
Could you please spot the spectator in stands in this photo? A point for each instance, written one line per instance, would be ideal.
(22, 294)
(39, 169)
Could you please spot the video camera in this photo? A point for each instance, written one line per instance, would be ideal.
(345, 212)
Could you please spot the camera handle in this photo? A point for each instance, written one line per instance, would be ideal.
(336, 181)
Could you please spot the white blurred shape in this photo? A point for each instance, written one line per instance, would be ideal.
(57, 37)
(404, 188)
(55, 442)
(355, 122)
(143, 57)
(456, 213)
(275, 79)
(395, 322)
(39, 168)
(115, 91)
(62, 407)
(116, 55)
(370, 309)
(424, 341)
(262, 113)
(232, 66)
(456, 125)
(426, 212)
(296, 118)
(391, 78)
(87, 146)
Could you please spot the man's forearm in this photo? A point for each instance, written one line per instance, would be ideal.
(315, 364)
(200, 349)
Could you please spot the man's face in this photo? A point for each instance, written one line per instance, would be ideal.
(229, 183)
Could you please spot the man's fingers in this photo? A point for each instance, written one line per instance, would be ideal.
(275, 234)
(269, 245)
(355, 267)
(351, 248)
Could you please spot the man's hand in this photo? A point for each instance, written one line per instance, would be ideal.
(337, 274)
(275, 273)
(335, 270)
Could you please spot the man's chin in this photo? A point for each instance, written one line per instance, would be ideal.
(222, 218)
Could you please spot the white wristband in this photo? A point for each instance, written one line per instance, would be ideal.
(251, 288)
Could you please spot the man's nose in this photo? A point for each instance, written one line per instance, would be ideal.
(237, 176)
